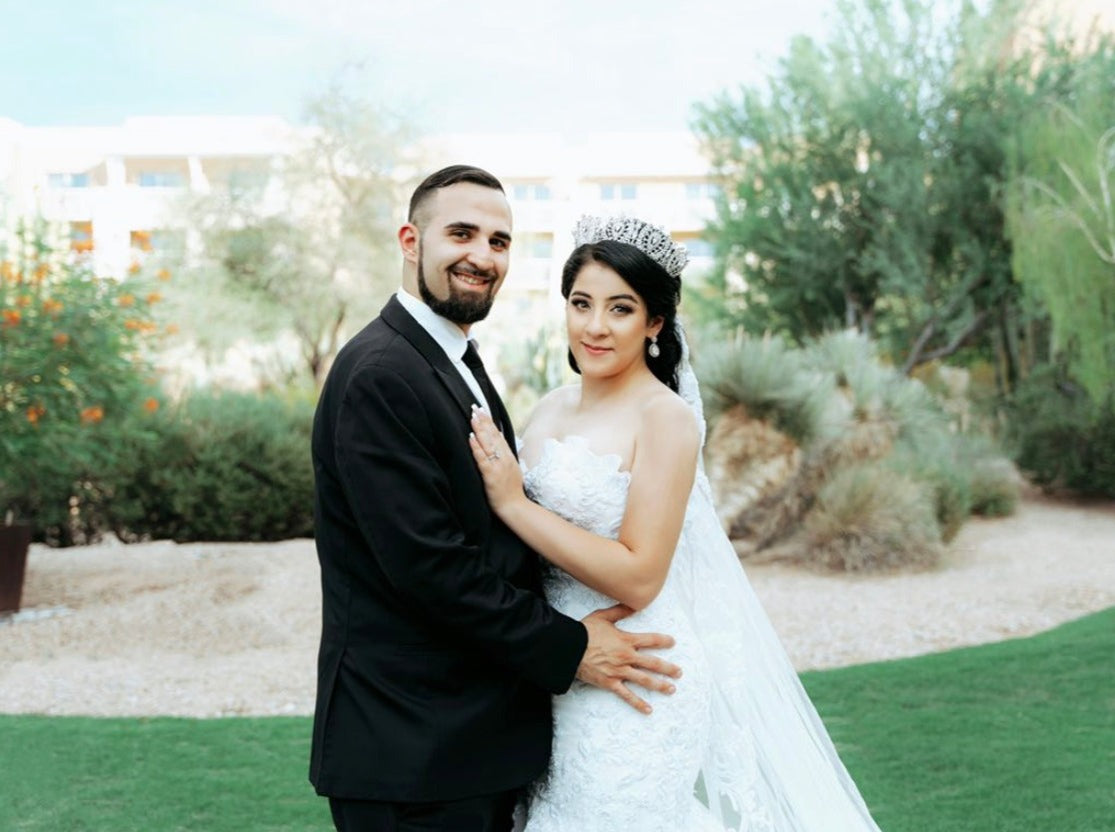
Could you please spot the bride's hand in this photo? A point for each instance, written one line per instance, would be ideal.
(503, 480)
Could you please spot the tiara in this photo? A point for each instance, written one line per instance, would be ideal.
(652, 240)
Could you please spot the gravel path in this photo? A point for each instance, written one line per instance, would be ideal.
(231, 629)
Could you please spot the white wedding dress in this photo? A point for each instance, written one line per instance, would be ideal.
(738, 746)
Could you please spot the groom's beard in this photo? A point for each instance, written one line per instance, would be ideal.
(460, 308)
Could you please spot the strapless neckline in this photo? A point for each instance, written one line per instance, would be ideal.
(605, 463)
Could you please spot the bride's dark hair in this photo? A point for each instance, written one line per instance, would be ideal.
(659, 291)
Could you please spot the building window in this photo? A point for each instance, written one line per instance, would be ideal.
(247, 179)
(542, 248)
(67, 180)
(161, 179)
(618, 190)
(168, 239)
(698, 248)
(81, 236)
(702, 190)
(159, 239)
(536, 193)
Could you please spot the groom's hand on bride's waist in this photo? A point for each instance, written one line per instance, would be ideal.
(614, 658)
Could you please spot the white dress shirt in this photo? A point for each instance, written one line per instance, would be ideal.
(447, 335)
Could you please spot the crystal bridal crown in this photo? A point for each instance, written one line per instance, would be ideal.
(652, 240)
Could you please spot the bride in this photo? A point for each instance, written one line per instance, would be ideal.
(611, 492)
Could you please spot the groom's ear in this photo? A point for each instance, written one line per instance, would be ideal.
(408, 242)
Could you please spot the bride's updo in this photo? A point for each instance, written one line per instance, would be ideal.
(659, 290)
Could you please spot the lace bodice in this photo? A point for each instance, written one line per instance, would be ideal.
(584, 487)
(587, 489)
(590, 490)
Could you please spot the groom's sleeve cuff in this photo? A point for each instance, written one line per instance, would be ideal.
(560, 655)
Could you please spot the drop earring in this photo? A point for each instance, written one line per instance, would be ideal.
(653, 350)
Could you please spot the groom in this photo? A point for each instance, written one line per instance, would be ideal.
(438, 653)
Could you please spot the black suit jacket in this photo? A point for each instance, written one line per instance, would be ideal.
(438, 653)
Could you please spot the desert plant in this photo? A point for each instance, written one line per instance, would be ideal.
(877, 393)
(995, 487)
(870, 517)
(941, 466)
(770, 380)
(814, 435)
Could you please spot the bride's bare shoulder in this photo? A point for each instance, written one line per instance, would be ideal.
(554, 405)
(665, 413)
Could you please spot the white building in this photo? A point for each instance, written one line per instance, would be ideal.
(117, 187)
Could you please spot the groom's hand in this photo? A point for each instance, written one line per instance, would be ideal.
(612, 658)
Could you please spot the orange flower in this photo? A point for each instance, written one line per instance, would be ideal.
(52, 306)
(148, 327)
(7, 271)
(34, 413)
(92, 415)
(23, 301)
(172, 329)
(41, 272)
(163, 274)
(12, 317)
(134, 268)
(154, 297)
(132, 324)
(126, 300)
(61, 339)
(151, 405)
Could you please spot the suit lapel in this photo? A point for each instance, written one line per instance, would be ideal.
(395, 316)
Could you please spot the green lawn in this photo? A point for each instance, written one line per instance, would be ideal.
(1015, 736)
(155, 775)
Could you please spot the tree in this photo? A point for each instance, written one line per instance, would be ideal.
(307, 251)
(863, 185)
(1062, 211)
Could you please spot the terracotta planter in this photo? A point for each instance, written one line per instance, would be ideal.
(14, 542)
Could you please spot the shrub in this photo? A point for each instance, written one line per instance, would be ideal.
(876, 392)
(870, 517)
(861, 428)
(771, 382)
(995, 487)
(75, 377)
(1060, 437)
(226, 466)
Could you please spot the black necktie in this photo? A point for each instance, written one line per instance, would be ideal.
(473, 362)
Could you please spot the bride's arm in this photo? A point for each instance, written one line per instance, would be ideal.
(632, 569)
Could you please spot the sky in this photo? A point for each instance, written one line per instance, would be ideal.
(465, 66)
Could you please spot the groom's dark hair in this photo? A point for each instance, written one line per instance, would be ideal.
(443, 179)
